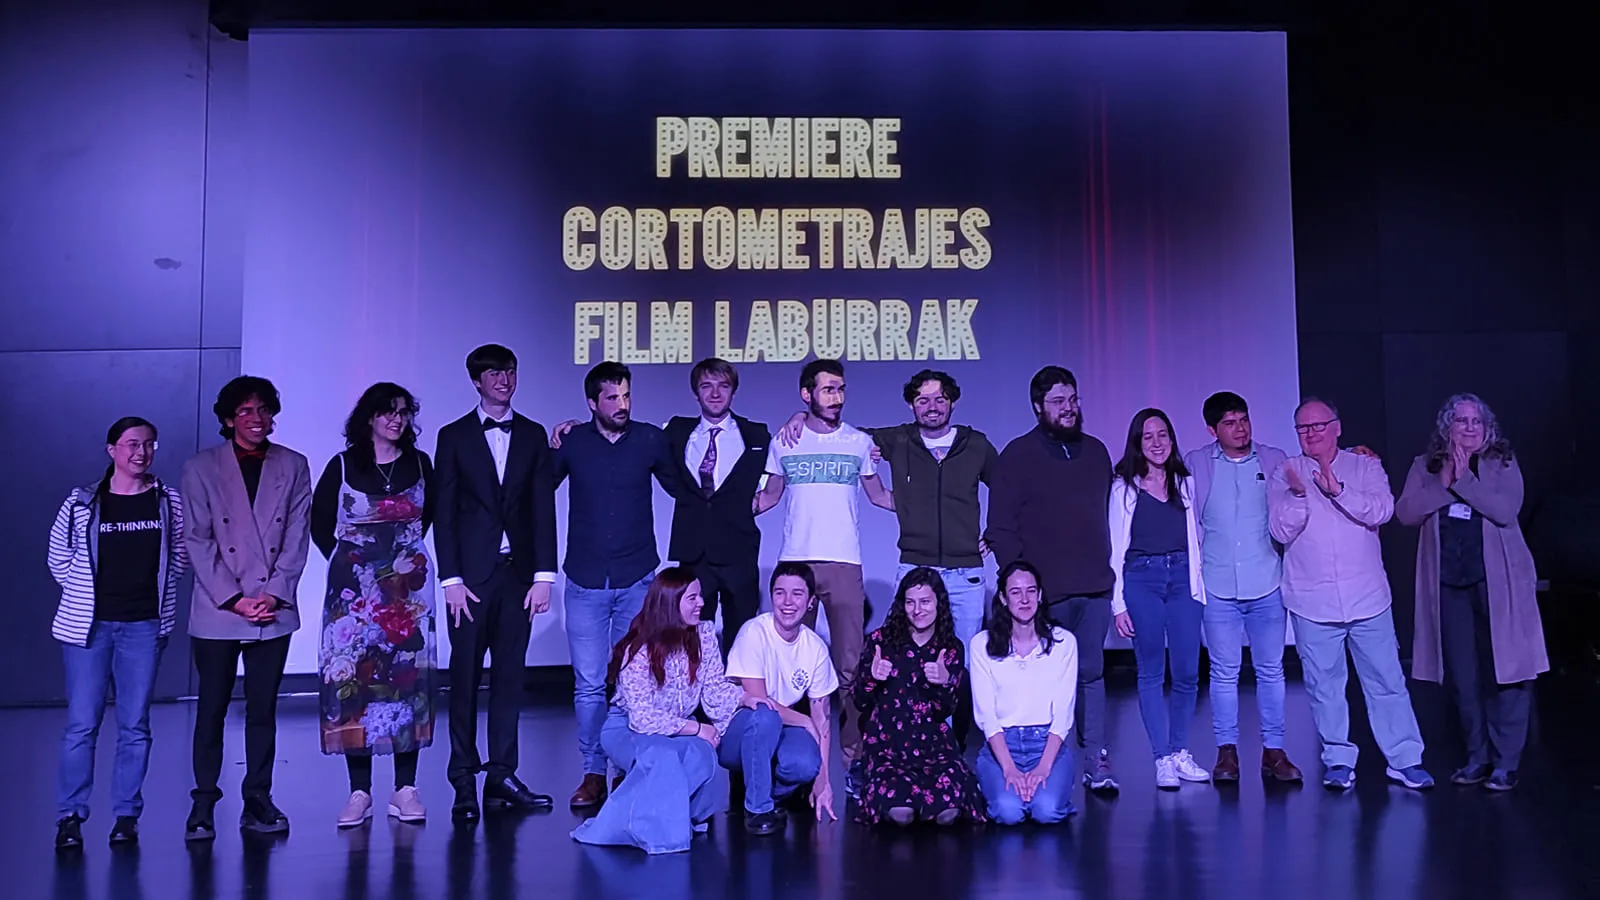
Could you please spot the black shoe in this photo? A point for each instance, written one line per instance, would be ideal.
(261, 817)
(125, 831)
(511, 793)
(69, 833)
(1469, 774)
(1501, 780)
(465, 811)
(764, 824)
(201, 825)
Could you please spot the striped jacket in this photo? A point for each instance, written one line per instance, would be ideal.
(74, 541)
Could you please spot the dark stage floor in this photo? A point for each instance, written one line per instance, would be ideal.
(1379, 842)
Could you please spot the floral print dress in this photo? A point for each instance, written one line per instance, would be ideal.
(377, 654)
(912, 758)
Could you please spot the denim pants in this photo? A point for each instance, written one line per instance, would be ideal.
(1052, 802)
(597, 619)
(965, 587)
(666, 798)
(127, 654)
(1226, 624)
(1166, 623)
(775, 759)
(699, 759)
(1376, 650)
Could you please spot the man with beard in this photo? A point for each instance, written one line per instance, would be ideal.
(822, 526)
(611, 546)
(1047, 506)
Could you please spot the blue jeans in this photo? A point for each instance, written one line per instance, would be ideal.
(1226, 624)
(1052, 802)
(128, 654)
(623, 745)
(775, 759)
(965, 587)
(1376, 650)
(1166, 623)
(597, 619)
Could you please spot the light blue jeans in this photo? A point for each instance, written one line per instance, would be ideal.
(597, 619)
(1052, 802)
(667, 797)
(127, 654)
(965, 587)
(1376, 650)
(1226, 624)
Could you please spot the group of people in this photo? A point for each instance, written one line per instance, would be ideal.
(1233, 540)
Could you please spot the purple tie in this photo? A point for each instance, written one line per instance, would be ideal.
(708, 463)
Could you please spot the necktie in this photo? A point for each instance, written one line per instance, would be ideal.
(708, 463)
(491, 424)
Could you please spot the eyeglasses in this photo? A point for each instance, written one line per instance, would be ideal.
(147, 446)
(397, 414)
(1313, 427)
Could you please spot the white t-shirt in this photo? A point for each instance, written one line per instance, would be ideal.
(790, 670)
(822, 475)
(940, 446)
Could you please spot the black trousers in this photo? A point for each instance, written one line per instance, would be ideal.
(217, 663)
(500, 628)
(735, 588)
(359, 763)
(1494, 717)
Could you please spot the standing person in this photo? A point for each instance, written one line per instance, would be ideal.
(117, 551)
(248, 532)
(495, 533)
(1241, 568)
(1048, 506)
(1325, 507)
(611, 547)
(1158, 599)
(822, 528)
(369, 515)
(1477, 609)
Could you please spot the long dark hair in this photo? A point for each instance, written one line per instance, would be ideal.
(1133, 466)
(658, 629)
(113, 434)
(380, 398)
(1000, 620)
(1495, 446)
(897, 625)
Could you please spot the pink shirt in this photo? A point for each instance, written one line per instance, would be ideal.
(661, 708)
(1332, 562)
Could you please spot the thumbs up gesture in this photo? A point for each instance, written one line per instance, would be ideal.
(881, 668)
(938, 671)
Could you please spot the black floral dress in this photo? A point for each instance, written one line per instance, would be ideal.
(911, 754)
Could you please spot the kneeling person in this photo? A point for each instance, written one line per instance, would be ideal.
(777, 658)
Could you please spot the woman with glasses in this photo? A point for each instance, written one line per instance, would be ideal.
(1477, 611)
(117, 551)
(371, 510)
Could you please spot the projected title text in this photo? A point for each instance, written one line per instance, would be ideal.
(719, 238)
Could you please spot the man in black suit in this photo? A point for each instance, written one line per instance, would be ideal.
(495, 533)
(719, 459)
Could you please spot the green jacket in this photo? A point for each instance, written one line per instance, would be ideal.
(937, 502)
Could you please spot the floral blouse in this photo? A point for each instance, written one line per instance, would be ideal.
(661, 709)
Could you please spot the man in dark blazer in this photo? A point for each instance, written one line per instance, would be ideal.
(495, 535)
(248, 530)
(719, 458)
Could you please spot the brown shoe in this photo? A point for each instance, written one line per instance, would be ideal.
(1275, 765)
(590, 792)
(1227, 767)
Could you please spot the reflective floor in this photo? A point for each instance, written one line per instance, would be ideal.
(1380, 841)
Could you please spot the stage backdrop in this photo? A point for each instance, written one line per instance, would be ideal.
(982, 203)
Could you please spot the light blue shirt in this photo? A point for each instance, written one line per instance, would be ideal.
(1238, 560)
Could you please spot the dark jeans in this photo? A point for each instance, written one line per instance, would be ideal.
(1494, 717)
(736, 588)
(360, 764)
(1166, 622)
(775, 759)
(217, 663)
(499, 627)
(1088, 618)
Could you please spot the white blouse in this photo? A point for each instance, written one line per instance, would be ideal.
(1037, 689)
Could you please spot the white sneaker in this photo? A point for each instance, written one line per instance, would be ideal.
(406, 806)
(1186, 768)
(1166, 774)
(358, 810)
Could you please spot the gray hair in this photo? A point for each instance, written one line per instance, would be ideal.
(1310, 399)
(1495, 445)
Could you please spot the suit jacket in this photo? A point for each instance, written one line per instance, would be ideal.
(476, 507)
(241, 549)
(720, 529)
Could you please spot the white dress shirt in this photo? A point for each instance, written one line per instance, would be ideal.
(1037, 689)
(730, 446)
(500, 449)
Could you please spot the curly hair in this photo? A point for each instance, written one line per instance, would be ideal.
(897, 625)
(376, 400)
(1495, 445)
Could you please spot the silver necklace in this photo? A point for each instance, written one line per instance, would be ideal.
(388, 477)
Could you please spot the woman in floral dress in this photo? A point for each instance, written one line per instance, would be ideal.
(911, 674)
(369, 514)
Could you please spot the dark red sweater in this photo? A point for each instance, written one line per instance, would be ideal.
(1048, 506)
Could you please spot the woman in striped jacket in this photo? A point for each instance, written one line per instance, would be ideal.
(117, 551)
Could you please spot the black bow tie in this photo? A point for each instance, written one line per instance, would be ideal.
(491, 424)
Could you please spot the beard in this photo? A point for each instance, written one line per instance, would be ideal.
(826, 414)
(1057, 433)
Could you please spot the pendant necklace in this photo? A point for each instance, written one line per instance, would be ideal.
(388, 477)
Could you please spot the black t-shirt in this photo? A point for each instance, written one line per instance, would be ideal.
(1460, 548)
(128, 558)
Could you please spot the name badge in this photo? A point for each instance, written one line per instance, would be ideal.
(1460, 511)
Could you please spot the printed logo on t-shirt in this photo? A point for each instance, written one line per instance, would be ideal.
(822, 468)
(800, 680)
(120, 527)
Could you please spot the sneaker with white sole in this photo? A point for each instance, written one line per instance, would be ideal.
(1187, 768)
(1097, 773)
(358, 810)
(407, 806)
(1167, 774)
